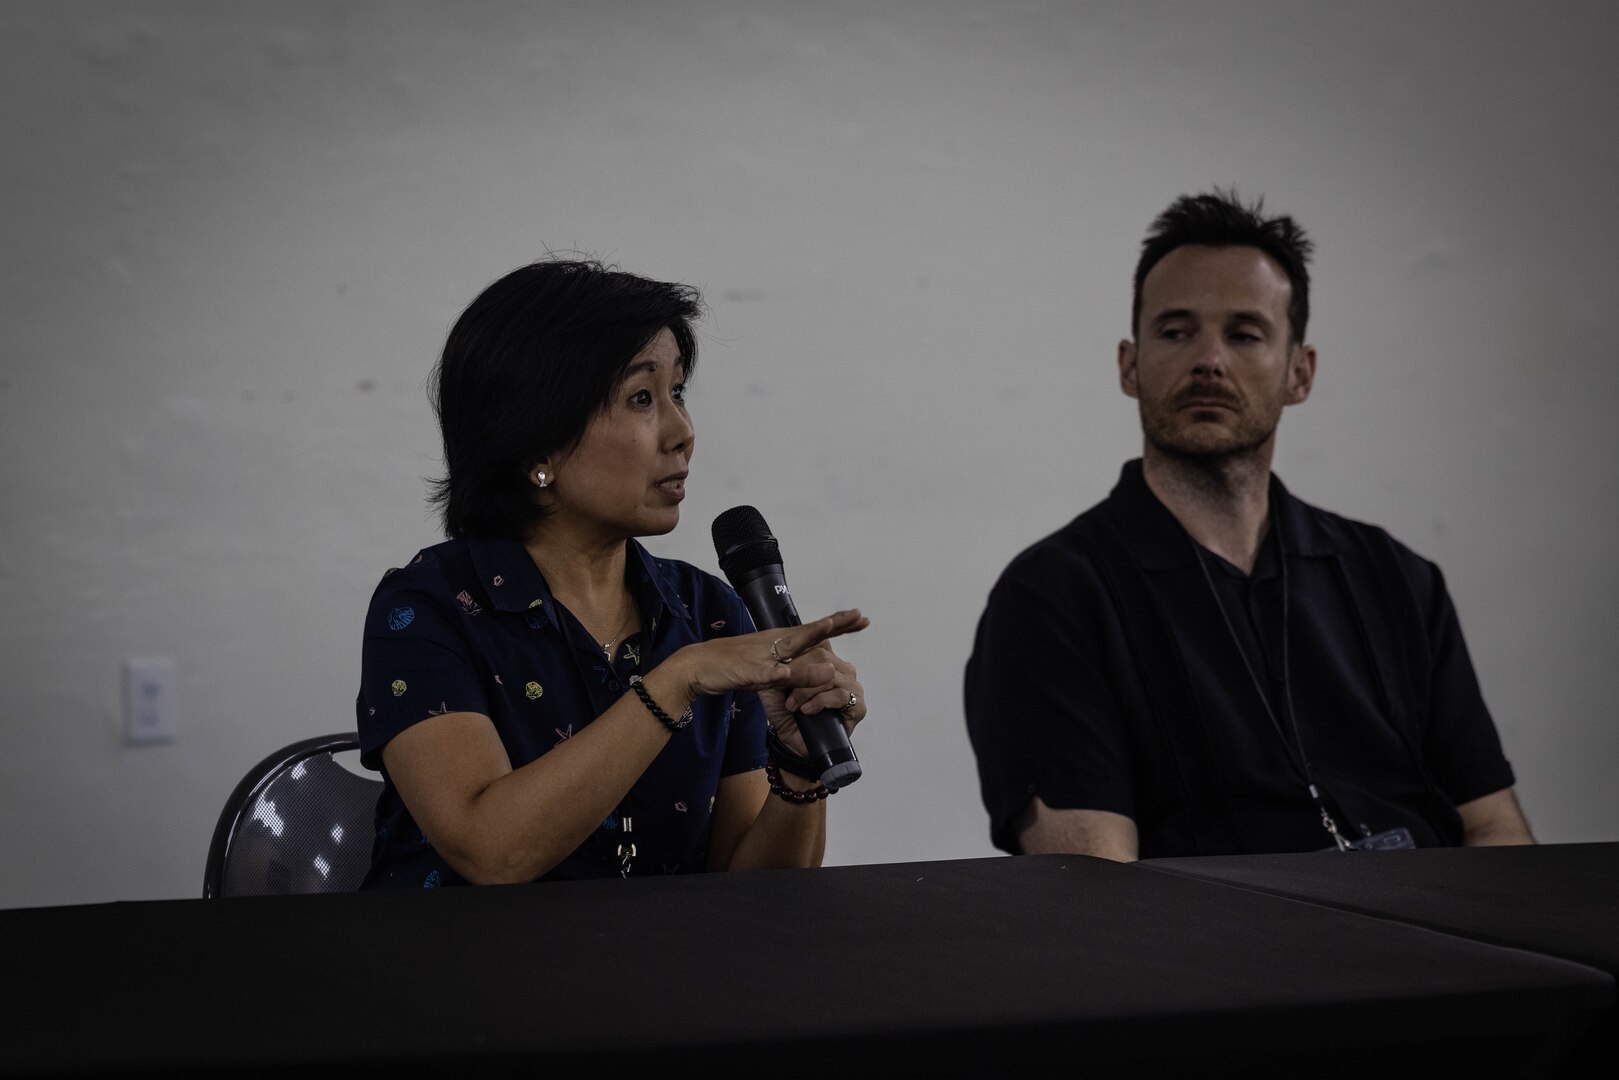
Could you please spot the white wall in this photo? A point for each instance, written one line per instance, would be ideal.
(234, 236)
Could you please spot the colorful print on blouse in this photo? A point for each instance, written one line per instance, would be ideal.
(470, 626)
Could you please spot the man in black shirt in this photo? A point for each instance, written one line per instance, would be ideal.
(1202, 663)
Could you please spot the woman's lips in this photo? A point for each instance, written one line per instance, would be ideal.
(672, 487)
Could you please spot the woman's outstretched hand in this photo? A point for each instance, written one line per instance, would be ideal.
(794, 670)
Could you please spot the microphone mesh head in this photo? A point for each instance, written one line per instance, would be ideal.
(743, 542)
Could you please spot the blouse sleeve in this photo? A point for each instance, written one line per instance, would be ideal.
(415, 663)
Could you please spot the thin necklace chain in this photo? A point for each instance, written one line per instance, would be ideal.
(607, 646)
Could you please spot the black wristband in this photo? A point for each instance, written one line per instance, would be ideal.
(785, 759)
(639, 686)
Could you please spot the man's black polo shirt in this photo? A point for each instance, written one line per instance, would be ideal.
(1104, 677)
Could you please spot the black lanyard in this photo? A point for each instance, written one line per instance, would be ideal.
(622, 857)
(625, 852)
(1295, 747)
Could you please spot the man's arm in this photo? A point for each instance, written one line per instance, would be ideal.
(1494, 819)
(1461, 746)
(1042, 714)
(1044, 831)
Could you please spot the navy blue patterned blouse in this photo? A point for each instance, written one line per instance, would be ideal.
(470, 626)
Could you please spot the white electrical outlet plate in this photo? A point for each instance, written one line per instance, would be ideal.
(151, 710)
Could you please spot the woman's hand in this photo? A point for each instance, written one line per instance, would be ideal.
(793, 669)
(752, 830)
(842, 694)
(777, 661)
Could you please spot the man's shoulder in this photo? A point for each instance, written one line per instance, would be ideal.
(1060, 558)
(1315, 526)
(1375, 562)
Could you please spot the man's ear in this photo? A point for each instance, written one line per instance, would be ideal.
(1127, 368)
(1300, 373)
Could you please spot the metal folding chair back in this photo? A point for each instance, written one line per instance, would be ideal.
(299, 822)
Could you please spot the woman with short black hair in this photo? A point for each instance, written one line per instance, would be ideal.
(544, 698)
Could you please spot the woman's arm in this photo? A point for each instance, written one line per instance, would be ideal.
(496, 824)
(754, 830)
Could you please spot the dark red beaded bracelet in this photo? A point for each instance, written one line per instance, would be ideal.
(797, 798)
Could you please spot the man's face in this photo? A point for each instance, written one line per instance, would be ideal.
(1213, 364)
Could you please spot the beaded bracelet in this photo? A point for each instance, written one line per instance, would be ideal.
(636, 684)
(786, 760)
(797, 798)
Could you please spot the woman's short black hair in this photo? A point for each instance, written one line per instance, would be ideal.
(526, 367)
(1220, 219)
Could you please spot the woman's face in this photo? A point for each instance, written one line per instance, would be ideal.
(627, 476)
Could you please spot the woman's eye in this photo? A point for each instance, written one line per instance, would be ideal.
(641, 398)
(679, 392)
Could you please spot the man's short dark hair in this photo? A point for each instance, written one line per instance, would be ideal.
(526, 367)
(1219, 219)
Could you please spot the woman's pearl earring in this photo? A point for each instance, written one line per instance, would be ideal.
(539, 477)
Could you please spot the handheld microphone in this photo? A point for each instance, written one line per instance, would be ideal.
(751, 561)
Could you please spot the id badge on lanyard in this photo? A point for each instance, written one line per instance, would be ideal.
(1391, 840)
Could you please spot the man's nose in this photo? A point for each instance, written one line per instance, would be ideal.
(1210, 359)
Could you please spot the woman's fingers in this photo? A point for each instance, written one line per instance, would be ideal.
(793, 641)
(834, 698)
(794, 658)
(808, 644)
(805, 673)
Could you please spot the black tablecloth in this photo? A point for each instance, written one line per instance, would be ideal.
(1561, 899)
(1557, 899)
(990, 966)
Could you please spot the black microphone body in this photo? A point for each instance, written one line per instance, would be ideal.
(751, 561)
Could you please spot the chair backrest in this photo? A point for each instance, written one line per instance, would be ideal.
(299, 822)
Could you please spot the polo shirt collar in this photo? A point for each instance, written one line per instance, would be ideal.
(513, 583)
(651, 572)
(1159, 542)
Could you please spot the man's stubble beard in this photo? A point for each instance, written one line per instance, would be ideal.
(1218, 450)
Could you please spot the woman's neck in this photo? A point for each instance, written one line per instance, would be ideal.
(586, 575)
